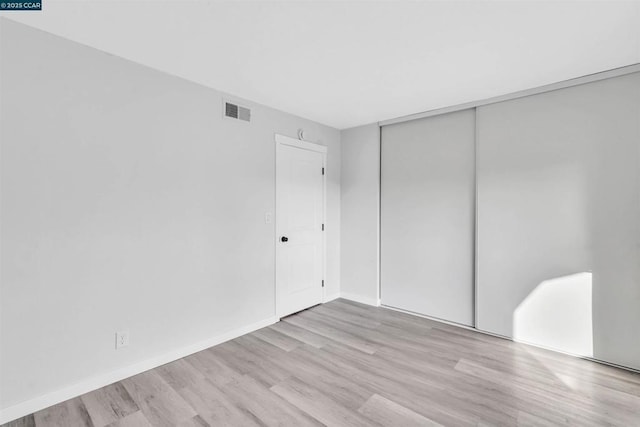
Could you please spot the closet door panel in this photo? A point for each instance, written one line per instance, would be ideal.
(427, 216)
(559, 219)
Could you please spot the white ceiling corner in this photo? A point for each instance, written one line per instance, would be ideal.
(350, 63)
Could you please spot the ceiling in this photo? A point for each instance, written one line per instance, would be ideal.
(350, 63)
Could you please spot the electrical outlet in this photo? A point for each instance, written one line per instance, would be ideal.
(268, 217)
(122, 339)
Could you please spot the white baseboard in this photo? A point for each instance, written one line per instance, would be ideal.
(362, 300)
(332, 297)
(93, 383)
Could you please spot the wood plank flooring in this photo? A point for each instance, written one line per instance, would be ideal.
(347, 364)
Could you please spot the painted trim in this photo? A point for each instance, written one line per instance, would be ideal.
(325, 230)
(362, 300)
(287, 140)
(379, 221)
(471, 328)
(98, 381)
(476, 234)
(616, 72)
(332, 297)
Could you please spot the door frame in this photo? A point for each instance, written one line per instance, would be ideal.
(309, 146)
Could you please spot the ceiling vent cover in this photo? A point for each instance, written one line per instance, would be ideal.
(234, 111)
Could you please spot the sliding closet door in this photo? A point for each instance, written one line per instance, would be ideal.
(559, 219)
(427, 216)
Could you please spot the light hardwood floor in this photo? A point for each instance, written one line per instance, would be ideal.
(347, 364)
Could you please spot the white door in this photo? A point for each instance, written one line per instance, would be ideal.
(299, 225)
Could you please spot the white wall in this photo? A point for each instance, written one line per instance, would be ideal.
(360, 195)
(128, 202)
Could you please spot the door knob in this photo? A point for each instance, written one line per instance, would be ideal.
(284, 239)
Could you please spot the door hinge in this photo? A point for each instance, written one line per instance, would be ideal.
(322, 227)
(323, 283)
(322, 171)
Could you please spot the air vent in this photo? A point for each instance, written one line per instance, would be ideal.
(244, 114)
(231, 110)
(234, 111)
